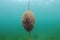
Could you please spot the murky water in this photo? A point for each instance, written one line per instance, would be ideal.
(47, 15)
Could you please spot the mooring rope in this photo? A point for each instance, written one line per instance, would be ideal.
(28, 5)
(29, 10)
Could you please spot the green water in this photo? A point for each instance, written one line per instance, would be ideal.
(47, 16)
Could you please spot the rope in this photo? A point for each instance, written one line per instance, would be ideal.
(29, 35)
(28, 5)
